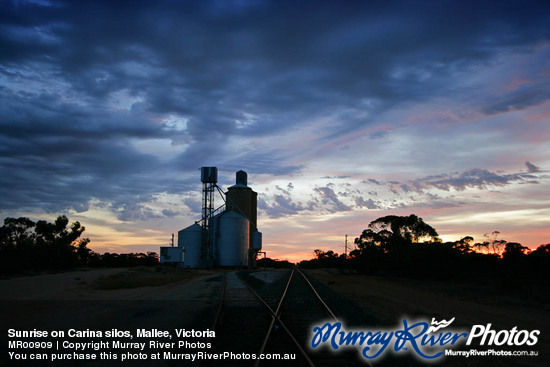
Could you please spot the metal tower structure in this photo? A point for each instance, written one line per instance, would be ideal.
(209, 178)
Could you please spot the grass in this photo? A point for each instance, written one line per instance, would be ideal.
(142, 277)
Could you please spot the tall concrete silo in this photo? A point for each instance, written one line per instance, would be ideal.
(243, 200)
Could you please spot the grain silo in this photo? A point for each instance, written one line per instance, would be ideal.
(231, 239)
(243, 200)
(190, 239)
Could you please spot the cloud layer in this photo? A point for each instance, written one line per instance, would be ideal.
(361, 106)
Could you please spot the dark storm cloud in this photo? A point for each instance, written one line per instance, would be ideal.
(169, 213)
(193, 204)
(260, 161)
(372, 180)
(24, 115)
(286, 192)
(473, 178)
(329, 200)
(133, 212)
(531, 167)
(479, 178)
(58, 155)
(521, 99)
(186, 57)
(281, 206)
(230, 69)
(360, 202)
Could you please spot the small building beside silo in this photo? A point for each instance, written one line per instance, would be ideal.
(257, 241)
(172, 255)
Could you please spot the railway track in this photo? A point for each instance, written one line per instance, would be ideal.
(276, 319)
(299, 309)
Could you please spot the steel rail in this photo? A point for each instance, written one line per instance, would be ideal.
(285, 328)
(275, 317)
(327, 309)
(222, 299)
(199, 362)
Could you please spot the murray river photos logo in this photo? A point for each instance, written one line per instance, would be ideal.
(428, 341)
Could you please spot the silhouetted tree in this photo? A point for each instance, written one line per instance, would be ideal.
(274, 263)
(16, 232)
(26, 245)
(322, 255)
(492, 245)
(463, 245)
(56, 242)
(514, 250)
(83, 252)
(370, 259)
(542, 251)
(17, 239)
(384, 243)
(407, 246)
(324, 259)
(539, 264)
(393, 232)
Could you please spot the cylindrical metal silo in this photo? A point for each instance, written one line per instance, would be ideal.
(231, 239)
(190, 239)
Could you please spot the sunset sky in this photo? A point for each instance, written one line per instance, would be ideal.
(341, 112)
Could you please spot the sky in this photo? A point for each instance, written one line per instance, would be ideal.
(341, 112)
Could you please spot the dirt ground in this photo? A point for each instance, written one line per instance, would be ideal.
(81, 285)
(72, 301)
(389, 299)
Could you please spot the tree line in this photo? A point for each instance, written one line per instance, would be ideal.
(407, 246)
(274, 263)
(28, 246)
